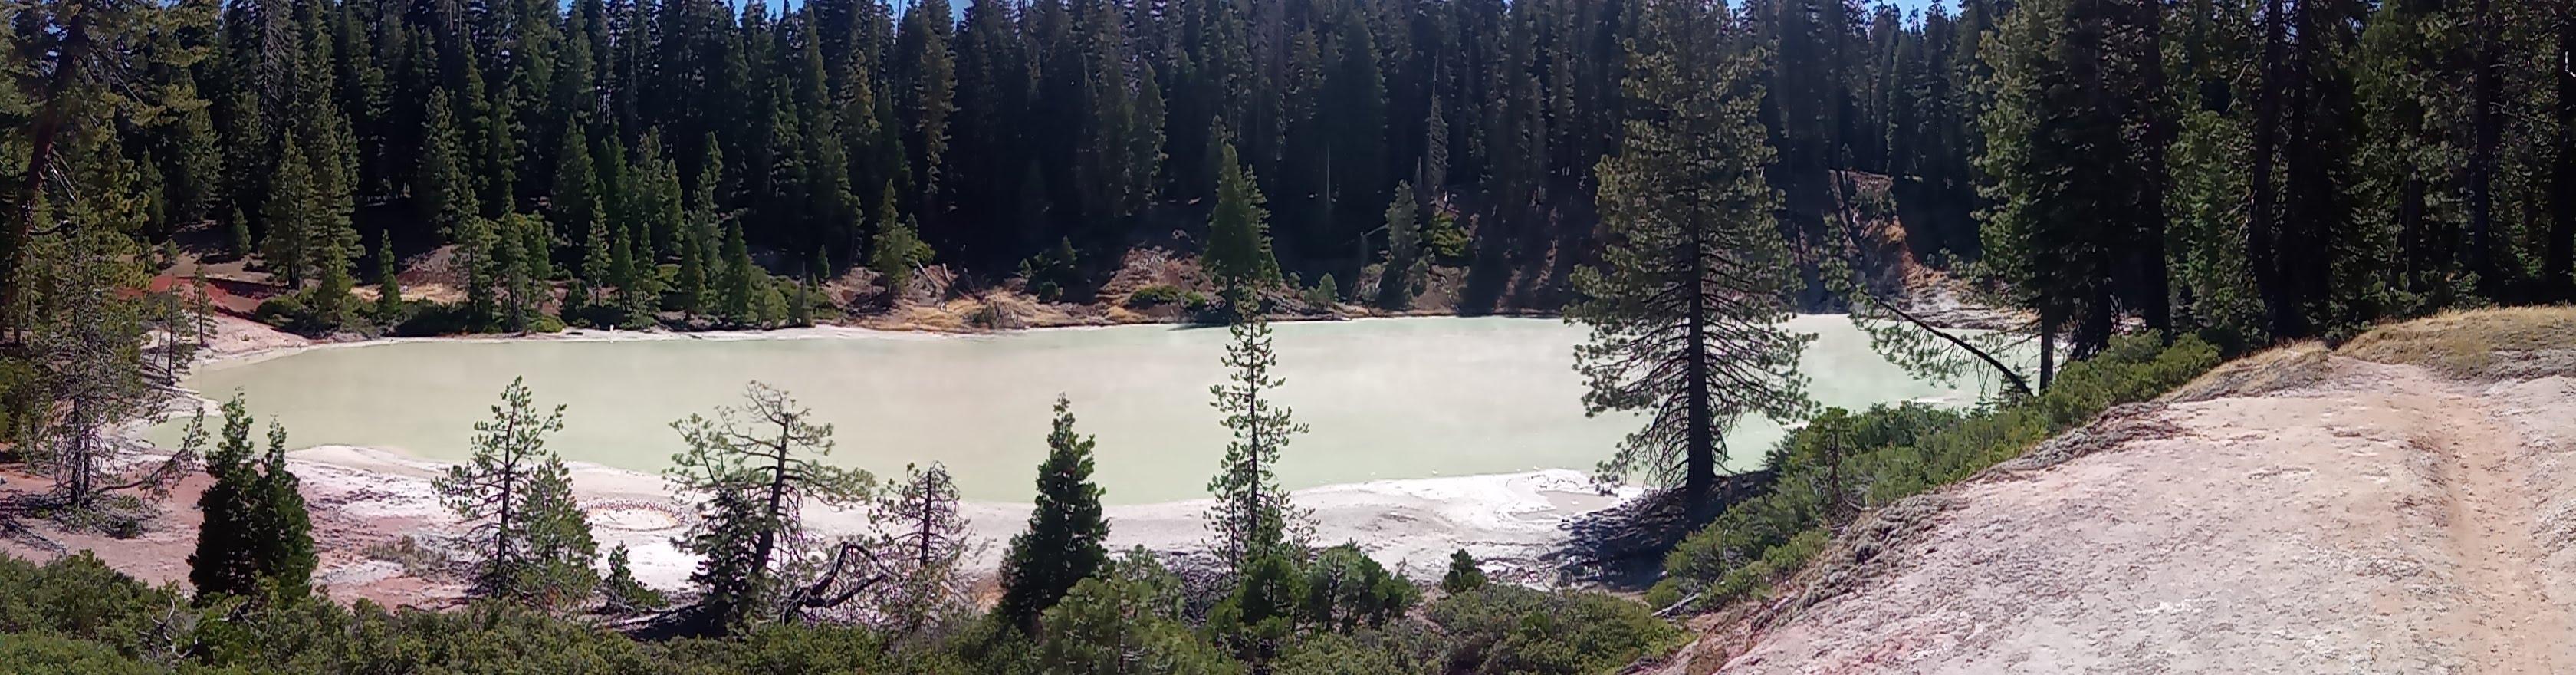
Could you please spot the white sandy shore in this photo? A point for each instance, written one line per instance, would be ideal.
(1510, 520)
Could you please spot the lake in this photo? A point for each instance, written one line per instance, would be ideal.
(1387, 398)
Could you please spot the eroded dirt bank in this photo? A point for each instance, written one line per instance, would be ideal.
(2317, 514)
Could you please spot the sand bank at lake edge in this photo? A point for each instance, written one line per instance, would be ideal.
(1510, 521)
(366, 502)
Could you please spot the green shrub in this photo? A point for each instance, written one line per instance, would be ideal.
(1445, 239)
(295, 313)
(788, 649)
(1664, 593)
(1127, 619)
(77, 596)
(1345, 589)
(1324, 295)
(1463, 575)
(23, 400)
(1338, 654)
(1892, 452)
(1158, 295)
(1258, 617)
(1510, 629)
(436, 318)
(622, 593)
(1052, 271)
(78, 616)
(50, 654)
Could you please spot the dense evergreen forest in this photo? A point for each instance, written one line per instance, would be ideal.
(2097, 159)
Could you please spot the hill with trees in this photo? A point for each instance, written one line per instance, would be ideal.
(640, 153)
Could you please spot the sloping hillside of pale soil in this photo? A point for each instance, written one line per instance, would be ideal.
(2403, 504)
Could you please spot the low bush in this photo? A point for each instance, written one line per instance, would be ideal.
(295, 313)
(1158, 295)
(77, 616)
(1511, 629)
(49, 654)
(436, 318)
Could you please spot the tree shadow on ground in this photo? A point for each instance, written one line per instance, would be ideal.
(1623, 547)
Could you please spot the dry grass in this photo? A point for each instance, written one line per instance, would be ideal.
(2515, 342)
(2270, 370)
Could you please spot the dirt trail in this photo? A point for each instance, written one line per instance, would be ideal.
(2374, 518)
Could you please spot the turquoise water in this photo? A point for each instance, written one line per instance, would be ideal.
(1387, 398)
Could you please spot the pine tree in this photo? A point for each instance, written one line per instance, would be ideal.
(1238, 248)
(928, 76)
(477, 247)
(497, 493)
(595, 269)
(1464, 574)
(239, 231)
(441, 189)
(575, 205)
(741, 278)
(1694, 268)
(1063, 543)
(224, 563)
(692, 282)
(195, 155)
(92, 327)
(1403, 250)
(1345, 591)
(623, 593)
(664, 221)
(2413, 104)
(757, 465)
(288, 210)
(522, 293)
(800, 303)
(559, 546)
(638, 279)
(281, 532)
(1252, 517)
(897, 250)
(389, 303)
(535, 240)
(331, 271)
(925, 542)
(1354, 111)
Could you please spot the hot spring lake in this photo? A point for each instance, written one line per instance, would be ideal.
(1386, 398)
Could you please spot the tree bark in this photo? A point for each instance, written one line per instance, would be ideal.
(2262, 222)
(1700, 465)
(2047, 350)
(2486, 130)
(2155, 282)
(777, 496)
(71, 55)
(2561, 256)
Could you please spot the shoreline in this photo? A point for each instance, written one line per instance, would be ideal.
(1510, 522)
(381, 534)
(277, 344)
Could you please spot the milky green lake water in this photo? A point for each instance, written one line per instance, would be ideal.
(1387, 398)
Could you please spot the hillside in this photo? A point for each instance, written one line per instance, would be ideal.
(2394, 505)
